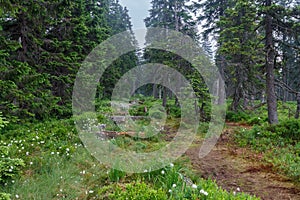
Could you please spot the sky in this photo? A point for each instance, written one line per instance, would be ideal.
(138, 11)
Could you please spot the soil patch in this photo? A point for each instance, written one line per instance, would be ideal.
(241, 170)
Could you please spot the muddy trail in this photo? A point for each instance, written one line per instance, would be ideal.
(238, 169)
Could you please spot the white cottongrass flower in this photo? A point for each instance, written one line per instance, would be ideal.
(91, 191)
(162, 172)
(171, 165)
(170, 190)
(203, 192)
(238, 189)
(17, 196)
(174, 185)
(194, 186)
(83, 172)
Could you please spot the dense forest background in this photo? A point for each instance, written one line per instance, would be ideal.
(254, 43)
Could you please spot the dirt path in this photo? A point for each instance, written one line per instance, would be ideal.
(236, 168)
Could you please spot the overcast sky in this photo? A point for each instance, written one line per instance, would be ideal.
(138, 11)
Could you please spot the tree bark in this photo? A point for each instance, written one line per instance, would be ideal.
(165, 95)
(155, 91)
(270, 62)
(298, 106)
(221, 84)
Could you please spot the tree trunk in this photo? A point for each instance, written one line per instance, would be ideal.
(155, 91)
(165, 95)
(221, 84)
(246, 101)
(298, 106)
(270, 62)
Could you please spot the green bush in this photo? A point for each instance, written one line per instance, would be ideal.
(289, 129)
(137, 191)
(257, 120)
(280, 143)
(9, 167)
(3, 121)
(4, 196)
(237, 116)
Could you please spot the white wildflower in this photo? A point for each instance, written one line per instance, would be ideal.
(203, 192)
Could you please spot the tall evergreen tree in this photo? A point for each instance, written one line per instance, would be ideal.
(240, 44)
(47, 42)
(174, 15)
(119, 21)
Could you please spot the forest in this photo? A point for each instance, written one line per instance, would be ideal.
(249, 86)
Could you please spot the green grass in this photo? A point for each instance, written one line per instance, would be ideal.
(57, 166)
(279, 143)
(286, 110)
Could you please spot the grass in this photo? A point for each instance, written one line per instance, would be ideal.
(279, 148)
(279, 144)
(57, 166)
(286, 110)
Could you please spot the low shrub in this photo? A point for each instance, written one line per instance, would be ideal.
(137, 191)
(237, 116)
(280, 144)
(9, 167)
(4, 196)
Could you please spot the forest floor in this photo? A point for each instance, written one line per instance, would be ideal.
(240, 169)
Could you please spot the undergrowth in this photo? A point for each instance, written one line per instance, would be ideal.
(57, 166)
(280, 144)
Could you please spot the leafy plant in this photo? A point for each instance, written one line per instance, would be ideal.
(137, 190)
(4, 196)
(237, 116)
(3, 121)
(280, 144)
(9, 167)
